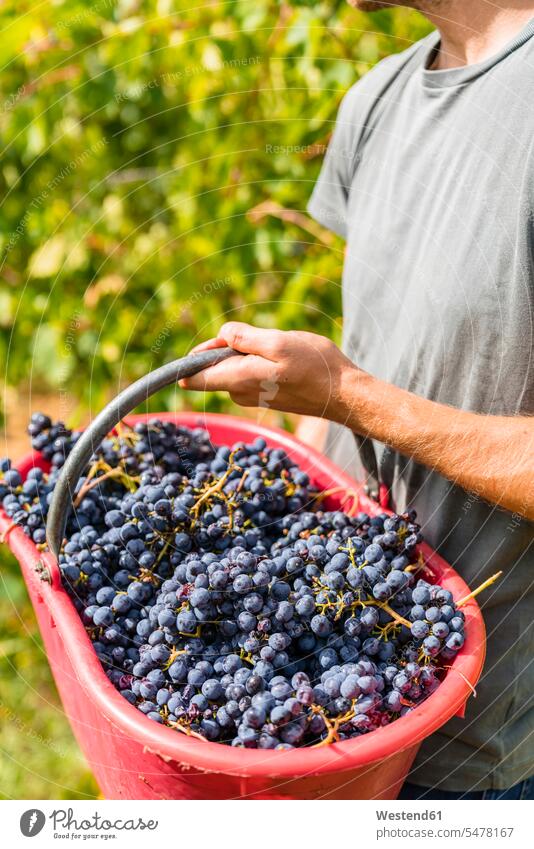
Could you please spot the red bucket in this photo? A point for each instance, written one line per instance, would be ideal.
(135, 758)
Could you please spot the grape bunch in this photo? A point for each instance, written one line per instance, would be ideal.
(225, 602)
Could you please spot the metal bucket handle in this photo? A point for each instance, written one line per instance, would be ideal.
(105, 421)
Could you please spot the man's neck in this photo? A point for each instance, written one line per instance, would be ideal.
(474, 31)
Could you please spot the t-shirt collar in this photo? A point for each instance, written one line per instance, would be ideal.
(466, 73)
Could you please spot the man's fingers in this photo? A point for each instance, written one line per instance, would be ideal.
(233, 375)
(224, 375)
(251, 340)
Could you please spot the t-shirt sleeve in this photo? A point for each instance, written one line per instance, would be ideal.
(329, 200)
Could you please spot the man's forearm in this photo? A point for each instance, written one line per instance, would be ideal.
(492, 456)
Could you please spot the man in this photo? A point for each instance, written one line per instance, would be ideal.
(430, 179)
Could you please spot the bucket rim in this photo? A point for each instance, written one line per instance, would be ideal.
(365, 750)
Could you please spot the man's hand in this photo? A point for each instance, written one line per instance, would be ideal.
(297, 372)
(292, 371)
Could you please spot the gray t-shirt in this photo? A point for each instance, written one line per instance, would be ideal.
(430, 179)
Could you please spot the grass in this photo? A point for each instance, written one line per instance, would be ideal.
(39, 757)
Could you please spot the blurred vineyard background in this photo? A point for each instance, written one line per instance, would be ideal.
(156, 162)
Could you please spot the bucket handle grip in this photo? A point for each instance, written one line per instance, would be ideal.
(106, 420)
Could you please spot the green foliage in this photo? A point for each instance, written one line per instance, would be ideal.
(39, 758)
(137, 138)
